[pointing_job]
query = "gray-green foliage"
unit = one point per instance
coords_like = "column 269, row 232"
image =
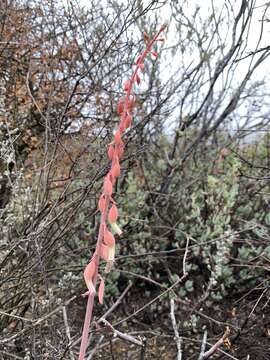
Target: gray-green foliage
column 207, row 203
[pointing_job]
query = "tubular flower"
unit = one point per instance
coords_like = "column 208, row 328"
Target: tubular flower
column 117, row 138
column 113, row 214
column 115, row 171
column 89, row 274
column 112, row 218
column 107, row 186
column 110, row 261
column 120, row 106
column 110, row 151
column 109, row 239
column 103, row 251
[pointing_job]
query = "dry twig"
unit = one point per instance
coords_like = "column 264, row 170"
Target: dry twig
column 215, row 347
column 67, row 331
column 122, row 335
column 177, row 337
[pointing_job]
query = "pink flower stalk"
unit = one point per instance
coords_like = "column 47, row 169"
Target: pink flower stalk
column 105, row 247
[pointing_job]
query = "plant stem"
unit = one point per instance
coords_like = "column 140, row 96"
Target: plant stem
column 87, row 322
column 90, row 301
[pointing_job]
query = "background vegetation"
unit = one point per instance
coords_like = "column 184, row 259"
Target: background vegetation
column 193, row 197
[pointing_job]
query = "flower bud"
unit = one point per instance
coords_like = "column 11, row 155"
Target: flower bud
column 101, row 203
column 120, row 106
column 117, row 138
column 110, row 151
column 127, row 86
column 107, row 186
column 113, row 214
column 116, row 170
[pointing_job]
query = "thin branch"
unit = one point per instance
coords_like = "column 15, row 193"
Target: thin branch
column 215, row 347
column 203, row 345
column 177, row 337
column 122, row 335
column 116, row 304
column 67, row 330
column 95, row 348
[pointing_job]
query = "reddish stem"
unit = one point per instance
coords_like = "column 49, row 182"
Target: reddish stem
column 90, row 301
column 86, row 325
column 142, row 57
